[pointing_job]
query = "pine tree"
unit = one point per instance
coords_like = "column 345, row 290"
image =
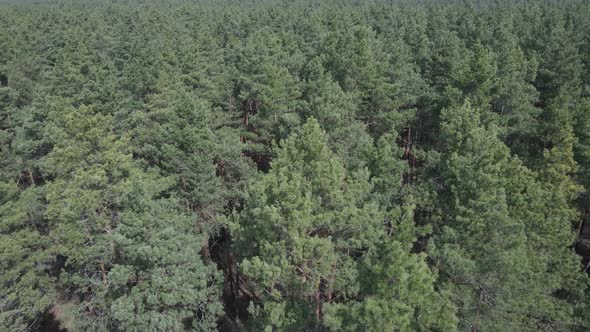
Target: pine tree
column 304, row 226
column 397, row 288
column 27, row 281
column 26, row 258
column 336, row 111
column 161, row 283
column 479, row 247
column 100, row 205
column 267, row 88
column 513, row 93
column 173, row 134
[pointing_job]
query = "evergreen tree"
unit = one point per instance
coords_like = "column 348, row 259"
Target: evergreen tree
column 99, row 206
column 27, row 288
column 161, row 282
column 267, row 88
column 513, row 93
column 479, row 248
column 336, row 111
column 304, row 227
column 26, row 258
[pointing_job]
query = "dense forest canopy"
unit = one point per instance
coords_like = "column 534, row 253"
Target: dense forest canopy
column 295, row 166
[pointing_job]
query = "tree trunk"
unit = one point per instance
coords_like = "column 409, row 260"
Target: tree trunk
column 318, row 308
column 31, row 178
column 581, row 224
column 103, row 272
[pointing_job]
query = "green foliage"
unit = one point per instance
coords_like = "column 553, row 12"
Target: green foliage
column 299, row 230
column 397, row 290
column 345, row 166
column 479, row 243
column 498, row 277
column 162, row 283
column 105, row 218
column 25, row 257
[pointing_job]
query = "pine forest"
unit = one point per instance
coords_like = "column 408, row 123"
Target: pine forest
column 306, row 165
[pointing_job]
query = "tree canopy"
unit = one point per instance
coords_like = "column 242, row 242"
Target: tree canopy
column 295, row 166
